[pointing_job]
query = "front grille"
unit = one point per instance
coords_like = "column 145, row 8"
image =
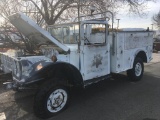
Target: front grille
column 6, row 63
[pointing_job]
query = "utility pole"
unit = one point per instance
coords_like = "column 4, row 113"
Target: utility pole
column 79, row 42
column 78, row 10
column 152, row 26
column 118, row 23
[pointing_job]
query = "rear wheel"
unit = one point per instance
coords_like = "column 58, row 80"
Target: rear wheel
column 136, row 73
column 50, row 100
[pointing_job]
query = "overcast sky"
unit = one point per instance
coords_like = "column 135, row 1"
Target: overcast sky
column 132, row 21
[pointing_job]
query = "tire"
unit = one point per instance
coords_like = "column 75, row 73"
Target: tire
column 136, row 73
column 17, row 90
column 50, row 100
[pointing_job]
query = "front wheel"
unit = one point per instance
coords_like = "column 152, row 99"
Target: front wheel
column 136, row 73
column 50, row 100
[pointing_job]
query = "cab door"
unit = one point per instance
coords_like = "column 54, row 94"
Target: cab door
column 95, row 51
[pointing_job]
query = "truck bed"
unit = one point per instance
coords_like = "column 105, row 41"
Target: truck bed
column 126, row 45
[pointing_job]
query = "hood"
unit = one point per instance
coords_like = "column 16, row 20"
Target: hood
column 34, row 32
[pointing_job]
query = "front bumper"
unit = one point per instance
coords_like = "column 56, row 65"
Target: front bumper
column 21, row 84
column 17, row 85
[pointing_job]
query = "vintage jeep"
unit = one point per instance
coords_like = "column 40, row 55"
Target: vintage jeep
column 74, row 55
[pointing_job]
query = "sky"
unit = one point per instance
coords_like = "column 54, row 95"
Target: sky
column 132, row 21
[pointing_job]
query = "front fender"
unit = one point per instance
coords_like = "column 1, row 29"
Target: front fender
column 63, row 71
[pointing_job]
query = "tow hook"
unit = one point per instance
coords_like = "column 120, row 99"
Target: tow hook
column 8, row 85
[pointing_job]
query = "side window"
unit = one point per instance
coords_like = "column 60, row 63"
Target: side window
column 57, row 33
column 95, row 33
column 66, row 34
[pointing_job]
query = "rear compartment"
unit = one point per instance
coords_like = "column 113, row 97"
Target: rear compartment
column 127, row 45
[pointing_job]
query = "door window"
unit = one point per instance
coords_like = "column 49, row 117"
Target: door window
column 94, row 34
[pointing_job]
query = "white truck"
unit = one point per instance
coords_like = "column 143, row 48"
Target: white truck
column 74, row 55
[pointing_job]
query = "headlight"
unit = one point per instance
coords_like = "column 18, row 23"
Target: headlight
column 26, row 67
column 39, row 66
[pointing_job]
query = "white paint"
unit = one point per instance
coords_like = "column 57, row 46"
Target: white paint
column 2, row 116
column 95, row 61
column 95, row 57
column 128, row 44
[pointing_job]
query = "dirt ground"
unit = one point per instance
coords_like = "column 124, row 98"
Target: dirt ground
column 12, row 105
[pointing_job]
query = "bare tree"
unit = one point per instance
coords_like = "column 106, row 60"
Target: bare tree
column 156, row 20
column 12, row 38
column 57, row 11
column 53, row 11
column 8, row 7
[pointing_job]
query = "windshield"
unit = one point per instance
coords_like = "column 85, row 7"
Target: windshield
column 65, row 34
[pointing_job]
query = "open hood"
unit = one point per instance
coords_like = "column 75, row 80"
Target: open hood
column 34, row 32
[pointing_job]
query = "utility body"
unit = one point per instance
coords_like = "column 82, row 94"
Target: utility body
column 73, row 55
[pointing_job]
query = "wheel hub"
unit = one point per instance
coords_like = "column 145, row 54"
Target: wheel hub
column 57, row 100
column 138, row 69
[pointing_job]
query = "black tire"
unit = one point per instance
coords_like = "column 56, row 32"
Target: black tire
column 132, row 74
column 43, row 103
column 17, row 90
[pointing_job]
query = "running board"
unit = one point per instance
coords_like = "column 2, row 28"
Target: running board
column 95, row 80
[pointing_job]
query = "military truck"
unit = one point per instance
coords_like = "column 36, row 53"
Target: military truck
column 73, row 55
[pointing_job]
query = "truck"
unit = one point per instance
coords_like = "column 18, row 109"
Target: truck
column 73, row 55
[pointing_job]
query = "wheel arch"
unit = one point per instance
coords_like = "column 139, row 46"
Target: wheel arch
column 67, row 73
column 141, row 54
